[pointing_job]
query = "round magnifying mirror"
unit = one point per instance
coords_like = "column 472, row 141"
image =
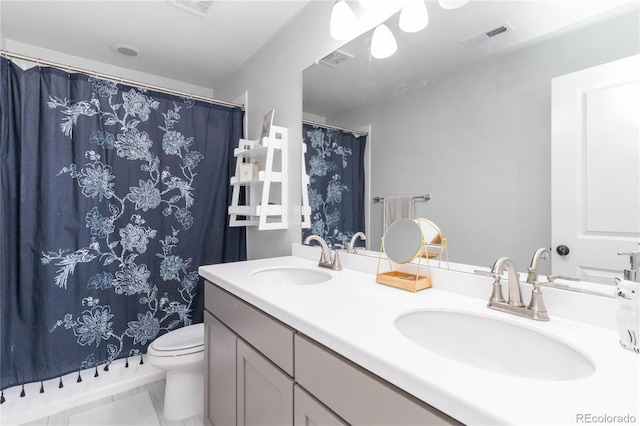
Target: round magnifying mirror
column 403, row 241
column 406, row 239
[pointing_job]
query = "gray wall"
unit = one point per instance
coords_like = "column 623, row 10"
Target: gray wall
column 478, row 139
column 273, row 79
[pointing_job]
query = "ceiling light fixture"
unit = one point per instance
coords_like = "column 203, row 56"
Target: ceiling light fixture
column 343, row 23
column 414, row 16
column 452, row 4
column 370, row 4
column 383, row 43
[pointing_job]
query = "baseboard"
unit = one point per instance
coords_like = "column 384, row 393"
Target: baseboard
column 34, row 405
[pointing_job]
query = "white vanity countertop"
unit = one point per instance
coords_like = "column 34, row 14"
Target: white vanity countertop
column 354, row 316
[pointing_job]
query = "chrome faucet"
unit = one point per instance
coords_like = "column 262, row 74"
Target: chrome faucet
column 351, row 248
column 515, row 293
column 541, row 253
column 325, row 255
column 514, row 305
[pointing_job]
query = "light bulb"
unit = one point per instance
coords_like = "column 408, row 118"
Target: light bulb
column 452, row 4
column 370, row 4
column 383, row 43
column 414, row 16
column 343, row 21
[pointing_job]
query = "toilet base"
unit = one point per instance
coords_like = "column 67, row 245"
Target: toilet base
column 183, row 395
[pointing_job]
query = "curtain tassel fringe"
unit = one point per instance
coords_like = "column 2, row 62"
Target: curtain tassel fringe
column 96, row 375
column 141, row 360
column 60, row 385
column 126, row 363
column 22, row 394
column 79, row 377
column 106, row 367
column 41, row 387
column 2, row 400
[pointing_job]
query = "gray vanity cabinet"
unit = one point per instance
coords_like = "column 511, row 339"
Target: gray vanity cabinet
column 355, row 394
column 242, row 387
column 250, row 380
column 265, row 393
column 309, row 411
column 220, row 373
column 249, row 364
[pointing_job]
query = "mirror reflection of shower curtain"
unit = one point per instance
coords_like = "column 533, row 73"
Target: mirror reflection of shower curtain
column 335, row 164
column 112, row 196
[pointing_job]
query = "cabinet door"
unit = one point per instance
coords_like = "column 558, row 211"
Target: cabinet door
column 355, row 394
column 309, row 411
column 269, row 336
column 220, row 373
column 264, row 393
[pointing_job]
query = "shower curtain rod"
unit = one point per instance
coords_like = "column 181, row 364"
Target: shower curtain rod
column 121, row 80
column 327, row 126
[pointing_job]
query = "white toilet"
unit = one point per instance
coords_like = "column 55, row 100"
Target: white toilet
column 181, row 354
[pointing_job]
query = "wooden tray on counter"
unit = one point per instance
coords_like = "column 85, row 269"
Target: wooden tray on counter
column 404, row 280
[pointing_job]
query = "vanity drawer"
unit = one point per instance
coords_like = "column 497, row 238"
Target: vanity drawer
column 354, row 393
column 268, row 335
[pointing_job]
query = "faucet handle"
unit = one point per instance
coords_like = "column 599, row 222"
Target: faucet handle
column 536, row 304
column 496, row 294
column 486, row 274
column 323, row 258
column 336, row 265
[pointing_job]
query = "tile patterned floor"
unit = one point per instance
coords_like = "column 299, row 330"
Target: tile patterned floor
column 156, row 391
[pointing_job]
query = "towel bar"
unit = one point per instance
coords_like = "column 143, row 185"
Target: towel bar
column 426, row 197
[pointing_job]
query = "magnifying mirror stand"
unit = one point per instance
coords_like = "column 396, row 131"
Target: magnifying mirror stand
column 405, row 280
column 442, row 248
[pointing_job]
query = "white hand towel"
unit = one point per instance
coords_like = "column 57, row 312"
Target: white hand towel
column 397, row 207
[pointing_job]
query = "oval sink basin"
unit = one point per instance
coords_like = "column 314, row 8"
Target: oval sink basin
column 290, row 275
column 494, row 345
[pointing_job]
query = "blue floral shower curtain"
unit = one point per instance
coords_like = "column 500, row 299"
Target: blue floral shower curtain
column 111, row 198
column 335, row 164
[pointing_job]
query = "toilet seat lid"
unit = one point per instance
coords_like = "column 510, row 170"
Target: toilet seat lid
column 180, row 339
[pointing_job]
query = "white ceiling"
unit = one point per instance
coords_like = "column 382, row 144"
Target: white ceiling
column 173, row 43
column 204, row 51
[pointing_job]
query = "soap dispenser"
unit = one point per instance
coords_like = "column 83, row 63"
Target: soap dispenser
column 628, row 293
column 633, row 273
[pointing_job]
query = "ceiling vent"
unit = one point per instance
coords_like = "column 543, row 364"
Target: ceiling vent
column 198, row 7
column 486, row 35
column 334, row 59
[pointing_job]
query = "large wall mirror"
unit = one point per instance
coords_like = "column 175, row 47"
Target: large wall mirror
column 467, row 118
